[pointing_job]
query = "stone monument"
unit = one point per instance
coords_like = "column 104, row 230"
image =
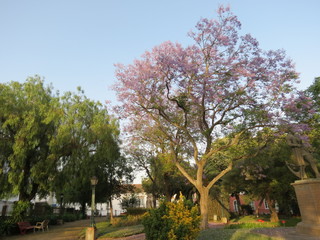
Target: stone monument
column 307, row 189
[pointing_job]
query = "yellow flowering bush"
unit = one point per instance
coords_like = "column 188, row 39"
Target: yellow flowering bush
column 172, row 220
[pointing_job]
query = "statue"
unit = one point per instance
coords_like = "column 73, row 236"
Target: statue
column 301, row 158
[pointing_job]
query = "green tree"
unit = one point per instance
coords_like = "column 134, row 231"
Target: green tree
column 314, row 93
column 162, row 179
column 86, row 145
column 265, row 176
column 28, row 118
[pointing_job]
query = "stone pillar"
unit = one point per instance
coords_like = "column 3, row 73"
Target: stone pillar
column 90, row 233
column 308, row 196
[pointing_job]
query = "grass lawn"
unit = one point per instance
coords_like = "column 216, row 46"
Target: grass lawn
column 218, row 234
column 106, row 230
column 239, row 229
column 261, row 222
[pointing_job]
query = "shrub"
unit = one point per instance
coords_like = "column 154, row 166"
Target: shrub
column 154, row 226
column 130, row 201
column 174, row 221
column 247, row 209
column 136, row 211
column 20, row 209
column 129, row 220
column 8, row 226
column 69, row 217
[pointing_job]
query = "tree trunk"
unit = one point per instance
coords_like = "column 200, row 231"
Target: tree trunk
column 204, row 200
column 83, row 210
column 240, row 210
column 154, row 200
column 111, row 210
column 274, row 215
column 259, row 206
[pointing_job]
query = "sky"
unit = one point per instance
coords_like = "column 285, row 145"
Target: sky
column 74, row 43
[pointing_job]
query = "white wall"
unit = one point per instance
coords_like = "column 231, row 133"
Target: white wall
column 9, row 203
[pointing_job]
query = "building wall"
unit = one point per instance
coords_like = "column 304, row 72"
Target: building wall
column 103, row 209
column 6, row 206
column 257, row 209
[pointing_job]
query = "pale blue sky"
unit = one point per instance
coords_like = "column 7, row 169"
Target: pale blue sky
column 75, row 42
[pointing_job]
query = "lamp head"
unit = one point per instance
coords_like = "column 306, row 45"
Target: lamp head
column 94, row 181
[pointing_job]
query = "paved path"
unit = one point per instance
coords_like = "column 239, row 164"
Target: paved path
column 286, row 233
column 67, row 231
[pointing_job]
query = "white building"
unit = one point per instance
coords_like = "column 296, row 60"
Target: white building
column 103, row 209
column 6, row 205
column 145, row 201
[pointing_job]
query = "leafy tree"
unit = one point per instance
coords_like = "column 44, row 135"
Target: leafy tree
column 265, row 176
column 222, row 86
column 28, row 119
column 314, row 93
column 131, row 201
column 86, row 145
column 161, row 179
column 56, row 144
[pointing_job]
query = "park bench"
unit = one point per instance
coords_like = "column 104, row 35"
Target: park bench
column 44, row 225
column 24, row 227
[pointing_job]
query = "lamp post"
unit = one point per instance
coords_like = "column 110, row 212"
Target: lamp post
column 61, row 201
column 94, row 181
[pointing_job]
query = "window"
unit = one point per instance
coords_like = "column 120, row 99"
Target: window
column 253, row 207
column 266, row 206
column 235, row 206
column 4, row 210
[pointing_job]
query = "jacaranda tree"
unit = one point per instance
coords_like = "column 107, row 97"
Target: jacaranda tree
column 220, row 87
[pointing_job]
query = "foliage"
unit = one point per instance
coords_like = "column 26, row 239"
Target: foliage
column 69, row 217
column 20, row 209
column 53, row 219
column 52, row 143
column 28, row 116
column 131, row 201
column 136, row 211
column 247, row 208
column 128, row 220
column 314, row 134
column 154, row 225
column 172, row 221
column 162, row 178
column 183, row 224
column 265, row 175
column 8, row 226
column 87, row 144
column 221, row 87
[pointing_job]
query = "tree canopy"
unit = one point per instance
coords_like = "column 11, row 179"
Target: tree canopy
column 29, row 114
column 52, row 143
column 86, row 145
